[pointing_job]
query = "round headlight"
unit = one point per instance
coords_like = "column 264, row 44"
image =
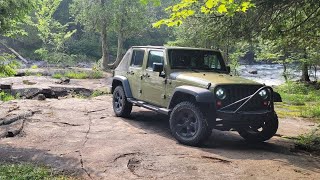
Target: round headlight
column 263, row 94
column 221, row 93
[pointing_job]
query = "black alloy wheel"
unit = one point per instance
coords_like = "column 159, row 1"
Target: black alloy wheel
column 121, row 106
column 188, row 124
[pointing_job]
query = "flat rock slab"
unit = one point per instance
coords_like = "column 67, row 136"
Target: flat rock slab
column 49, row 87
column 82, row 137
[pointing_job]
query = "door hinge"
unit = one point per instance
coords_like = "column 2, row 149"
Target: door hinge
column 140, row 90
column 164, row 96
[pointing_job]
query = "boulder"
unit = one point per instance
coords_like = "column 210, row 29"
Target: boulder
column 63, row 80
column 253, row 71
column 40, row 97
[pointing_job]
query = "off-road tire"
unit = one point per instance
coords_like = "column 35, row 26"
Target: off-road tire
column 203, row 131
column 121, row 107
column 269, row 130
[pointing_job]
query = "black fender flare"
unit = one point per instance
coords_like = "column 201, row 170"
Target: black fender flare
column 276, row 97
column 201, row 95
column 125, row 84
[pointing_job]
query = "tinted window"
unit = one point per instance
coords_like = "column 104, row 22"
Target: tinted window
column 196, row 59
column 137, row 58
column 154, row 57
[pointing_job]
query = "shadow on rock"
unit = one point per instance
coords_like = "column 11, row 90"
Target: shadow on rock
column 229, row 144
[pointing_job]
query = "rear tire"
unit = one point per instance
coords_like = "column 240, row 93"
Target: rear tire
column 121, row 107
column 269, row 129
column 188, row 124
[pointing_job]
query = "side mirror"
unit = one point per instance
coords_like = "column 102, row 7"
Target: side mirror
column 228, row 69
column 157, row 67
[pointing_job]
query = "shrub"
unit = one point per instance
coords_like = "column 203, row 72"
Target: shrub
column 57, row 75
column 5, row 96
column 34, row 67
column 295, row 88
column 8, row 65
column 309, row 141
column 79, row 74
column 97, row 93
column 311, row 111
column 76, row 75
column 96, row 74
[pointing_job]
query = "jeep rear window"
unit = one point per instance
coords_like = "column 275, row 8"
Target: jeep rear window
column 137, row 58
column 196, row 59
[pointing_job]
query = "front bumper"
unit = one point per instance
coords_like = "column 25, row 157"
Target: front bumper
column 241, row 117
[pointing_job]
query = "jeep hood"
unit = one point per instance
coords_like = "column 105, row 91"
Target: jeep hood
column 204, row 78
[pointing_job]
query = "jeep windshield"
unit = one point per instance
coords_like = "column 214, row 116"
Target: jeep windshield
column 196, row 60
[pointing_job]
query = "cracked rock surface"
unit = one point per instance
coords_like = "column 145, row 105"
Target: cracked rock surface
column 82, row 137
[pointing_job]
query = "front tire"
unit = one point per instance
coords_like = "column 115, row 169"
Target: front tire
column 264, row 133
column 121, row 107
column 188, row 124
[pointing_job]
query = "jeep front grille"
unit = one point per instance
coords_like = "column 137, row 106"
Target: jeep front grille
column 237, row 92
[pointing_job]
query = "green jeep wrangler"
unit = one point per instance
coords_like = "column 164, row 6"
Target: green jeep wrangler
column 193, row 86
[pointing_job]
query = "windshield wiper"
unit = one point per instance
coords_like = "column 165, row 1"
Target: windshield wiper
column 194, row 70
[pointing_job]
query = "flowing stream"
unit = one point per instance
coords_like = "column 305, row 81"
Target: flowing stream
column 271, row 74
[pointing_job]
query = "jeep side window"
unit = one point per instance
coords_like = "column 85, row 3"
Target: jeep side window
column 137, row 58
column 154, row 57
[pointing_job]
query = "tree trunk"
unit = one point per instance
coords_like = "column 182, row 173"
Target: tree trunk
column 120, row 49
column 105, row 54
column 305, row 74
column 121, row 39
column 305, row 70
column 315, row 73
column 285, row 71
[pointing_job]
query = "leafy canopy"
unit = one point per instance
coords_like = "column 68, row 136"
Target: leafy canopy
column 13, row 12
column 186, row 8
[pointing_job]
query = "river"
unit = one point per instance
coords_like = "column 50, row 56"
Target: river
column 270, row 74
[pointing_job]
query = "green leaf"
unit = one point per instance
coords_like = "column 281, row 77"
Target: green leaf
column 222, row 9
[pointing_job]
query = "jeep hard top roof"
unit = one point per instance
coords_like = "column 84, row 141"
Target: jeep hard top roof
column 175, row 47
column 124, row 64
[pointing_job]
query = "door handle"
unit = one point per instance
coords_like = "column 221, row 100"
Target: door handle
column 130, row 72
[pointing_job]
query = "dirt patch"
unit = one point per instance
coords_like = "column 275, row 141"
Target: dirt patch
column 84, row 138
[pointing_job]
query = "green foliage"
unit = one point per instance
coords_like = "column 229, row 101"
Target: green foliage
column 34, row 67
column 26, row 171
column 61, row 57
column 6, row 97
column 87, row 44
column 297, row 88
column 299, row 99
column 312, row 111
column 97, row 93
column 8, row 65
column 154, row 2
column 95, row 74
column 13, row 12
column 187, row 8
column 57, row 75
column 310, row 141
column 52, row 33
column 239, row 50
